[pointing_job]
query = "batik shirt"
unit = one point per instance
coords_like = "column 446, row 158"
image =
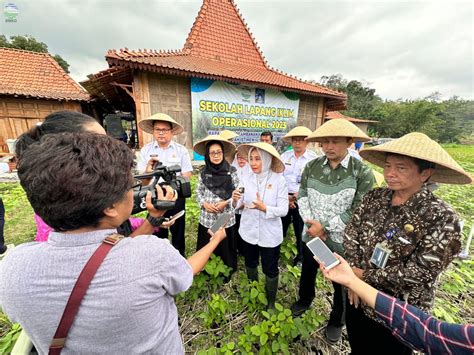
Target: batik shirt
column 423, row 235
column 203, row 194
column 330, row 195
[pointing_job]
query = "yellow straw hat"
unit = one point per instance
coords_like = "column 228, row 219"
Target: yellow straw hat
column 420, row 146
column 338, row 128
column 299, row 131
column 277, row 164
column 146, row 124
column 228, row 147
column 226, row 134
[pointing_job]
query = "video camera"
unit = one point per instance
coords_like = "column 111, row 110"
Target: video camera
column 168, row 174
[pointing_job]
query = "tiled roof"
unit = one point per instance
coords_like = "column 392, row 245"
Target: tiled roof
column 37, row 75
column 220, row 47
column 331, row 115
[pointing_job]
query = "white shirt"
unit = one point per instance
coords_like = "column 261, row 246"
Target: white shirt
column 174, row 154
column 263, row 228
column 294, row 168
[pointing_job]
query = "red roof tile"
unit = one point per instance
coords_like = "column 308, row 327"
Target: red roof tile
column 331, row 115
column 220, row 47
column 36, row 75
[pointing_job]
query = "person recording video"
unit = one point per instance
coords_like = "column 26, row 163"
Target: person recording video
column 73, row 122
column 81, row 184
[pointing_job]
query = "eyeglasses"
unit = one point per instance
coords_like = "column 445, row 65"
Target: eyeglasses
column 217, row 153
column 162, row 130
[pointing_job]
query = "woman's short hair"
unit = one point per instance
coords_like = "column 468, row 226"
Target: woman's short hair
column 56, row 122
column 71, row 178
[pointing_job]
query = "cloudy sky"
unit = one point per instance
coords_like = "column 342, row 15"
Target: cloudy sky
column 403, row 49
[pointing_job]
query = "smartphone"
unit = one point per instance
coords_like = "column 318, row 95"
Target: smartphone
column 241, row 189
column 221, row 222
column 176, row 216
column 322, row 253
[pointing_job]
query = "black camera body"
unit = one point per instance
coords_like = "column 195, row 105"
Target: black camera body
column 168, row 174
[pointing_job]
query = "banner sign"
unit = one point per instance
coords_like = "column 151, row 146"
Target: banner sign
column 247, row 111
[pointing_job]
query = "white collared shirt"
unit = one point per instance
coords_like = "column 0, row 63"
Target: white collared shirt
column 263, row 228
column 174, row 154
column 294, row 168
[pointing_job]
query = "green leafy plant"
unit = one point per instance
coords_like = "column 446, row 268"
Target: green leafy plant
column 215, row 315
column 253, row 295
column 7, row 342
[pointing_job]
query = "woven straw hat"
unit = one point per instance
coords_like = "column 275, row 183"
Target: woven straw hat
column 277, row 164
column 146, row 124
column 298, row 131
column 226, row 134
column 338, row 128
column 229, row 148
column 419, row 145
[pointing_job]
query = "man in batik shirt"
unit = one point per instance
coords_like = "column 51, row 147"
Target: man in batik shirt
column 402, row 237
column 331, row 187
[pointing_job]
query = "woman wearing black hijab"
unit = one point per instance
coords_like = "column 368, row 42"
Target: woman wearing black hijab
column 214, row 189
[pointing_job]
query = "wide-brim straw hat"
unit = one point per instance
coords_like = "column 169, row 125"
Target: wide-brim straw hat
column 299, row 131
column 228, row 147
column 338, row 128
column 146, row 124
column 226, row 134
column 277, row 164
column 420, row 146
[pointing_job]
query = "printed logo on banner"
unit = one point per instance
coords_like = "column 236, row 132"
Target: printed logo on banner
column 10, row 11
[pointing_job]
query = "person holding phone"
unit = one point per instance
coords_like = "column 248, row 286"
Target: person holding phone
column 331, row 187
column 415, row 328
column 265, row 201
column 214, row 189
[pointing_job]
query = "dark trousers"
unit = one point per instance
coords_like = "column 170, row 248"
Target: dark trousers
column 177, row 229
column 2, row 223
column 225, row 250
column 366, row 336
column 269, row 258
column 307, row 293
column 238, row 239
column 294, row 217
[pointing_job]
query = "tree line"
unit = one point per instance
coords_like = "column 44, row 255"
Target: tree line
column 447, row 121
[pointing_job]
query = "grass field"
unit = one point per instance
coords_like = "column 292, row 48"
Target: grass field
column 218, row 318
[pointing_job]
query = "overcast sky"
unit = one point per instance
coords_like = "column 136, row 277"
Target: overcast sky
column 403, row 49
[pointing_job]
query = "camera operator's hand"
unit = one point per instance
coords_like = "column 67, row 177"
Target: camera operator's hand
column 219, row 235
column 169, row 195
column 149, row 165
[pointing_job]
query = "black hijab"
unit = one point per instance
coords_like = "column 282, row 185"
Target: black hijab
column 217, row 177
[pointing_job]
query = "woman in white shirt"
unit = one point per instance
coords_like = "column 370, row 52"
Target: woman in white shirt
column 265, row 201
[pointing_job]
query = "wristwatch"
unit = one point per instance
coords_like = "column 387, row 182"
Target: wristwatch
column 155, row 221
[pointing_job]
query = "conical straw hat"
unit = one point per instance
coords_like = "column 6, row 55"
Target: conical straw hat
column 226, row 134
column 338, row 128
column 420, row 146
column 277, row 164
column 299, row 131
column 229, row 148
column 146, row 124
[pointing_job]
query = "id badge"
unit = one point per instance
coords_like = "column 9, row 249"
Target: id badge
column 298, row 179
column 380, row 256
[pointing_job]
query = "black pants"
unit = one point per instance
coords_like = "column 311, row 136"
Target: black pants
column 2, row 223
column 177, row 229
column 238, row 239
column 269, row 258
column 294, row 217
column 366, row 336
column 307, row 292
column 225, row 250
